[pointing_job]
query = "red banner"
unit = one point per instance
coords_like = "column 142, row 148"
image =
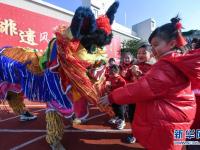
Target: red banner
column 20, row 27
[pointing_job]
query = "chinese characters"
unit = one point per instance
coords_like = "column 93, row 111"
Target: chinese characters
column 28, row 36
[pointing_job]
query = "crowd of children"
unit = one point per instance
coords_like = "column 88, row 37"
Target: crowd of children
column 128, row 71
column 164, row 95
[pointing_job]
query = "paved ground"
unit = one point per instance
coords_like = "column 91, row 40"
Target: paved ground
column 95, row 134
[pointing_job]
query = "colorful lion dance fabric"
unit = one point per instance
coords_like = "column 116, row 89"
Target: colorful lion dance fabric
column 71, row 69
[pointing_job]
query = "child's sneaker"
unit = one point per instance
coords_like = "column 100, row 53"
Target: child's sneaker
column 27, row 116
column 113, row 120
column 131, row 139
column 120, row 124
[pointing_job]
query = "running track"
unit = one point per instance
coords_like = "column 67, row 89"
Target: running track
column 95, row 134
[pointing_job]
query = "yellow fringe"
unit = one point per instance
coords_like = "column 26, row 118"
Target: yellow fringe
column 55, row 127
column 15, row 101
column 25, row 55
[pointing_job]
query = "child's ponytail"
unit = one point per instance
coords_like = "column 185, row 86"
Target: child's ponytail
column 180, row 40
column 170, row 31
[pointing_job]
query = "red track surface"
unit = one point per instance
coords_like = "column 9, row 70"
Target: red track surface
column 95, row 134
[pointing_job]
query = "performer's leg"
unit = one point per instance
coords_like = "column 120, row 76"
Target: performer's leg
column 15, row 101
column 81, row 110
column 55, row 130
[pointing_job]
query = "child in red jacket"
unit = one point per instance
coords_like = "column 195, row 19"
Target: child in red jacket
column 196, row 123
column 144, row 65
column 165, row 102
column 113, row 82
column 111, row 62
column 127, row 62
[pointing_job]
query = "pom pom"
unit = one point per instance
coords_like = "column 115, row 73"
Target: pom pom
column 180, row 40
column 178, row 26
column 104, row 23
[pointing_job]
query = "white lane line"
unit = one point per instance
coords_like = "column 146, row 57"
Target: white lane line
column 96, row 116
column 33, row 140
column 21, row 131
column 40, row 137
column 28, row 142
column 66, row 130
column 19, row 116
column 98, row 130
column 26, row 105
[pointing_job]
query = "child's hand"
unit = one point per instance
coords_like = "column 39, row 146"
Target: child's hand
column 135, row 69
column 123, row 73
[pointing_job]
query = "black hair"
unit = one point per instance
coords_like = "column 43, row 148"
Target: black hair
column 114, row 69
column 195, row 40
column 146, row 47
column 127, row 53
column 111, row 59
column 197, row 46
column 167, row 31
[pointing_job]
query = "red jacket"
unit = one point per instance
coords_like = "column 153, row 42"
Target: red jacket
column 116, row 82
column 107, row 73
column 144, row 67
column 195, row 83
column 164, row 101
column 126, row 72
column 196, row 90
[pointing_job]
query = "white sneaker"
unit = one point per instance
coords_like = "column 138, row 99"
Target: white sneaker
column 27, row 116
column 120, row 124
column 113, row 120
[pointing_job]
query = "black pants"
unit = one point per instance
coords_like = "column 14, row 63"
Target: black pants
column 193, row 147
column 119, row 111
column 131, row 111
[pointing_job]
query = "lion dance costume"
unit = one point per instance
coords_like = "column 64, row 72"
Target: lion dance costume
column 70, row 72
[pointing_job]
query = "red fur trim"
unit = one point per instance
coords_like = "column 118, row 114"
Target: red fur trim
column 104, row 24
column 180, row 40
column 178, row 26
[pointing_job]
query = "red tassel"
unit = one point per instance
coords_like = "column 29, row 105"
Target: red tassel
column 180, row 40
column 178, row 26
column 104, row 24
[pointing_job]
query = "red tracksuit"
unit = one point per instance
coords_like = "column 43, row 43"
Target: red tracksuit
column 144, row 67
column 126, row 73
column 116, row 82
